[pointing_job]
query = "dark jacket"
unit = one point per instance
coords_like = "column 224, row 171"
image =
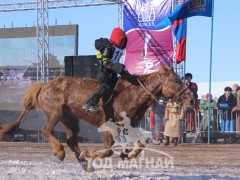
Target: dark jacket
column 108, row 71
column 226, row 105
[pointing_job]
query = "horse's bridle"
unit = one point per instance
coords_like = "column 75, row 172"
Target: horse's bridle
column 180, row 91
column 175, row 96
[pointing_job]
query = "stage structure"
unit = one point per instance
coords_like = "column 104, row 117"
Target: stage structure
column 42, row 7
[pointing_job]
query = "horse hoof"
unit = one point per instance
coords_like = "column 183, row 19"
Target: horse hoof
column 60, row 156
column 87, row 166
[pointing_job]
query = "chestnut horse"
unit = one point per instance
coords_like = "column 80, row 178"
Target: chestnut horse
column 62, row 98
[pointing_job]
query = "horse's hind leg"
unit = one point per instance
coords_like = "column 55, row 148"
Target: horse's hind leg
column 137, row 149
column 47, row 130
column 107, row 152
column 71, row 124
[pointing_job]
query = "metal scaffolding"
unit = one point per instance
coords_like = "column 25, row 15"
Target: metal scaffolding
column 42, row 41
column 42, row 7
column 54, row 4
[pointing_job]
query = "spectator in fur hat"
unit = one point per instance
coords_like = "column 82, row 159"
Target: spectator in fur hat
column 226, row 103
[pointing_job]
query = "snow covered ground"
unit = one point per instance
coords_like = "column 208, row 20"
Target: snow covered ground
column 28, row 161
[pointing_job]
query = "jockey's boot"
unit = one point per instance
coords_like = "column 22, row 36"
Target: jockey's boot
column 167, row 141
column 93, row 109
column 91, row 103
column 90, row 108
column 86, row 106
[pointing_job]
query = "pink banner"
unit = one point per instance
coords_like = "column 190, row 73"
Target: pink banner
column 149, row 47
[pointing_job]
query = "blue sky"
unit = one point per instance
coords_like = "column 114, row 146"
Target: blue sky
column 95, row 22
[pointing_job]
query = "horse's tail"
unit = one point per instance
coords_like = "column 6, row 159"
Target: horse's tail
column 6, row 130
column 30, row 101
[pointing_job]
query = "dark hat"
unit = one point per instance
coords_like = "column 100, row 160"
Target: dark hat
column 188, row 75
column 227, row 88
column 238, row 88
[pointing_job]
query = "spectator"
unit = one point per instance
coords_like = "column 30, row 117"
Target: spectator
column 158, row 110
column 213, row 120
column 225, row 103
column 190, row 114
column 236, row 109
column 173, row 117
column 152, row 124
column 234, row 87
column 205, row 103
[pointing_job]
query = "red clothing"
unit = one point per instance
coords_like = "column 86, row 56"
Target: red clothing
column 152, row 120
column 190, row 114
column 194, row 88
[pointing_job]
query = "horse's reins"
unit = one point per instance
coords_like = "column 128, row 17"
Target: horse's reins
column 181, row 92
column 131, row 84
column 175, row 95
column 146, row 89
column 162, row 80
column 113, row 92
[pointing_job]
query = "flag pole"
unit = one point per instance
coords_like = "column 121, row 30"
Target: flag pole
column 210, row 75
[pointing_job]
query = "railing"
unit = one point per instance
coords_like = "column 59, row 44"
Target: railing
column 218, row 115
column 198, row 121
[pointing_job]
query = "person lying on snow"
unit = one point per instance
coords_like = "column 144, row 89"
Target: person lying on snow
column 109, row 53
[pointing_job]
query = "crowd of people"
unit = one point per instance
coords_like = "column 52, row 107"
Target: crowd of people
column 167, row 121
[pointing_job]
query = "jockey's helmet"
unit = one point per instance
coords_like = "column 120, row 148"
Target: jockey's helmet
column 118, row 38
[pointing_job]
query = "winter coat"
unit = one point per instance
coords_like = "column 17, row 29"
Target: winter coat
column 173, row 115
column 190, row 114
column 230, row 102
column 204, row 106
column 194, row 88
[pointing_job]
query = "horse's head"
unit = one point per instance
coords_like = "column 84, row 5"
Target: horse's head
column 174, row 88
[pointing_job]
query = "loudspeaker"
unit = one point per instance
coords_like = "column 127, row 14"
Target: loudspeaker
column 81, row 66
column 68, row 61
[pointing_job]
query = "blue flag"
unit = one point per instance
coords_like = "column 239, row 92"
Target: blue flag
column 188, row 9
